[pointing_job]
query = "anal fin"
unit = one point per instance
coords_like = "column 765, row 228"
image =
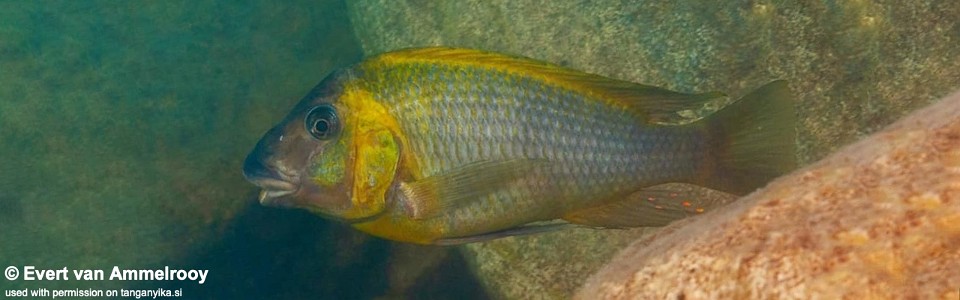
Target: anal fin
column 652, row 207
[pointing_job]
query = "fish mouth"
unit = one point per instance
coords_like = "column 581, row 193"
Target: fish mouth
column 274, row 191
column 276, row 186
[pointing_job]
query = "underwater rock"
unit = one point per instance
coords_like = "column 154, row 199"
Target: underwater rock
column 516, row 268
column 554, row 264
column 867, row 63
column 428, row 272
column 856, row 66
column 878, row 219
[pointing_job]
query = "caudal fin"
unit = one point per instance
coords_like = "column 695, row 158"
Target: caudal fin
column 752, row 140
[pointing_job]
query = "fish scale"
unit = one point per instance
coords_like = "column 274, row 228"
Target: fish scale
column 446, row 145
column 475, row 119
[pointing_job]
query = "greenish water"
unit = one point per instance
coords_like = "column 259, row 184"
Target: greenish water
column 124, row 124
column 123, row 129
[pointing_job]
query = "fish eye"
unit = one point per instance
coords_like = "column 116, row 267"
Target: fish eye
column 322, row 122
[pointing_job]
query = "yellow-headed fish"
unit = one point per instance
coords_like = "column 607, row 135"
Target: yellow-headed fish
column 446, row 146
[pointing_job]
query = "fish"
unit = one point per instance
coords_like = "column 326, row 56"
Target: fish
column 445, row 146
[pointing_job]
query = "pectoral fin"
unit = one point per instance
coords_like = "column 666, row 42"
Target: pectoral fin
column 430, row 196
column 651, row 207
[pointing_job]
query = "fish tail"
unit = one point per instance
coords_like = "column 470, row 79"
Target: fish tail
column 751, row 141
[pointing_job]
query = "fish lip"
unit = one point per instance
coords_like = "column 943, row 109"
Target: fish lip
column 275, row 197
column 276, row 184
column 275, row 191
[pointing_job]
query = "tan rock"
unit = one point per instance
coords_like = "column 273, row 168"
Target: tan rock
column 880, row 219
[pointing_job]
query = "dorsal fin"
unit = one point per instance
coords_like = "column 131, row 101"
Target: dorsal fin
column 656, row 104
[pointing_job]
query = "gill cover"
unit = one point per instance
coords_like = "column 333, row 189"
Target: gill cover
column 375, row 153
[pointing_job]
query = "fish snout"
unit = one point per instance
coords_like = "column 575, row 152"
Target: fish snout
column 274, row 184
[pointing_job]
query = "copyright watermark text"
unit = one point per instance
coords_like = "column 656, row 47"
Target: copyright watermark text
column 31, row 273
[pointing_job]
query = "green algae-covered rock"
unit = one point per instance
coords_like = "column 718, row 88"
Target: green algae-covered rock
column 855, row 66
